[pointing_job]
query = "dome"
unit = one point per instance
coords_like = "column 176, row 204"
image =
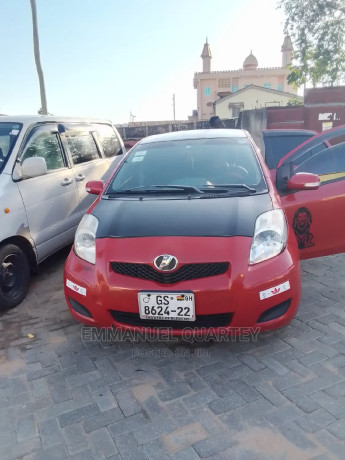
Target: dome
column 250, row 62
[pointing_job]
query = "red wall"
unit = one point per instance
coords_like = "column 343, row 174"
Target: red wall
column 285, row 117
column 323, row 108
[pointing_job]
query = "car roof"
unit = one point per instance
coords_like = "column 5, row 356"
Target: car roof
column 195, row 134
column 30, row 119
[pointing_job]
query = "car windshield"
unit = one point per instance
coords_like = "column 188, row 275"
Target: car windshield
column 190, row 165
column 8, row 135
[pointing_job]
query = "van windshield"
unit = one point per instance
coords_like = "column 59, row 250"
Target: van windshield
column 9, row 133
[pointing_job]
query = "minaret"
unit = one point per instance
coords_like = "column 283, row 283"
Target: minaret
column 206, row 58
column 286, row 50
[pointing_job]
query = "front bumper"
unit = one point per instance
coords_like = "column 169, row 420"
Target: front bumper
column 229, row 302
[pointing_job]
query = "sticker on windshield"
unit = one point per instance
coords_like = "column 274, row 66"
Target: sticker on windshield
column 139, row 156
column 14, row 132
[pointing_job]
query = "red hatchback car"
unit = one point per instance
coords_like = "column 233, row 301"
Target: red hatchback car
column 190, row 232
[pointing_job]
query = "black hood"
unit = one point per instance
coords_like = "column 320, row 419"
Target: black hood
column 230, row 216
column 131, row 217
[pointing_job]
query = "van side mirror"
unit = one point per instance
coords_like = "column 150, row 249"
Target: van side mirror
column 94, row 187
column 34, row 167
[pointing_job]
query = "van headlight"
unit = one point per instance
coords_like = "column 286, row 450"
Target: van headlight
column 270, row 235
column 84, row 240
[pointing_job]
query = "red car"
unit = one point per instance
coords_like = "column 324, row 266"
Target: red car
column 191, row 233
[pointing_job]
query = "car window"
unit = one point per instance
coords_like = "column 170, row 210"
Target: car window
column 193, row 162
column 108, row 139
column 8, row 135
column 319, row 142
column 82, row 146
column 309, row 154
column 276, row 147
column 327, row 161
column 46, row 145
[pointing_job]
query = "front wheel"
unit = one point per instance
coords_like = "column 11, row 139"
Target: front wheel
column 14, row 276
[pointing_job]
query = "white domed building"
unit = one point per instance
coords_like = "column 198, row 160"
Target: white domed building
column 226, row 92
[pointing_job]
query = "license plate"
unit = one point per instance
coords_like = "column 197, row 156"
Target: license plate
column 169, row 306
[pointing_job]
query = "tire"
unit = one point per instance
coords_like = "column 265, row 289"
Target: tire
column 14, row 276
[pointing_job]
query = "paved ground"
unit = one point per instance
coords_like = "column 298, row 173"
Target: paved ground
column 282, row 397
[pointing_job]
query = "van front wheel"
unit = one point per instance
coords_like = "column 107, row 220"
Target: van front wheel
column 14, row 276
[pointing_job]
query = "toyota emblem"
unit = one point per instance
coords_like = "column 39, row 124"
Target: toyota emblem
column 165, row 263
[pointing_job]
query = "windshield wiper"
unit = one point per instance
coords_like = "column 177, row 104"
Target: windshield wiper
column 227, row 187
column 157, row 188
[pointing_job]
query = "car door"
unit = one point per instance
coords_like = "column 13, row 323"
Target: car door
column 317, row 216
column 86, row 158
column 111, row 145
column 51, row 200
column 313, row 145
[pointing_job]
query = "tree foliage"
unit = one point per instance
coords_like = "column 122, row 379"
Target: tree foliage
column 295, row 101
column 317, row 31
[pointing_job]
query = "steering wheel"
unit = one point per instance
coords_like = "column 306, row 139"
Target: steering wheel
column 239, row 173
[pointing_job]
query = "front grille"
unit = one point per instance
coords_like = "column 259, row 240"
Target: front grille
column 184, row 273
column 206, row 321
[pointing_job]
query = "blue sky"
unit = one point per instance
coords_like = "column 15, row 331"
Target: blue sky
column 107, row 58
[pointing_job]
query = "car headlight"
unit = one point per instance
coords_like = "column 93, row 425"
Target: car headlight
column 269, row 238
column 84, row 240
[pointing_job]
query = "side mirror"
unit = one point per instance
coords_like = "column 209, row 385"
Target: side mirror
column 61, row 128
column 34, row 167
column 95, row 187
column 304, row 181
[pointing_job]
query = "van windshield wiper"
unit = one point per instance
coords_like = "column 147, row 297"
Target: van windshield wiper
column 157, row 188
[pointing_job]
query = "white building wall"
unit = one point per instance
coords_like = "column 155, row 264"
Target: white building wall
column 250, row 99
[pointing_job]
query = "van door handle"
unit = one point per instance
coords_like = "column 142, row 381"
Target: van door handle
column 67, row 181
column 80, row 177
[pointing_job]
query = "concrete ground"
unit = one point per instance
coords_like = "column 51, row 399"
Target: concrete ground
column 280, row 397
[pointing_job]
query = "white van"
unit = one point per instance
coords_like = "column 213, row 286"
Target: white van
column 45, row 162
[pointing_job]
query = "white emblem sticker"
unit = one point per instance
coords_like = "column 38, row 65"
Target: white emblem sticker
column 138, row 156
column 14, row 132
column 275, row 290
column 76, row 288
